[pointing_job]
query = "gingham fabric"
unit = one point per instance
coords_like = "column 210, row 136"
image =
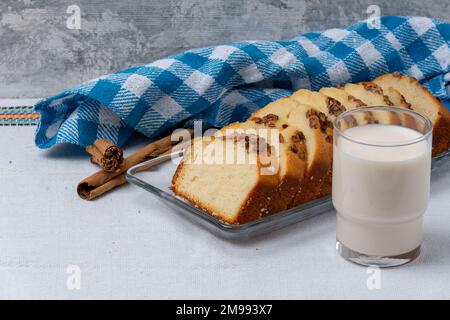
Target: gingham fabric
column 228, row 82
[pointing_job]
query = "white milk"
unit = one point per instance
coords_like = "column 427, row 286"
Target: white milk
column 381, row 193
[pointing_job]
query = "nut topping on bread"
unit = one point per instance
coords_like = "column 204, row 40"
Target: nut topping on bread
column 314, row 122
column 335, row 107
column 298, row 147
column 372, row 87
column 293, row 148
column 387, row 101
column 268, row 120
column 252, row 143
column 298, row 137
column 270, row 117
column 358, row 102
column 319, row 120
column 405, row 103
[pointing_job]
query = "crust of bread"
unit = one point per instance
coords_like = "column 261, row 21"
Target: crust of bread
column 317, row 181
column 409, row 87
column 441, row 133
column 288, row 185
column 256, row 205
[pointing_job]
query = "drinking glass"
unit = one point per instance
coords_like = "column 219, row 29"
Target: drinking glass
column 381, row 184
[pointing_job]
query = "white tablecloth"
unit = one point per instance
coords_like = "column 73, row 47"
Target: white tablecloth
column 129, row 245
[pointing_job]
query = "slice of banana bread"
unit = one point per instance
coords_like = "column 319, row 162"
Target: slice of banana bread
column 213, row 178
column 317, row 133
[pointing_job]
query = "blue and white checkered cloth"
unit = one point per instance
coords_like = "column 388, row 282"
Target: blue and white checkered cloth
column 228, row 82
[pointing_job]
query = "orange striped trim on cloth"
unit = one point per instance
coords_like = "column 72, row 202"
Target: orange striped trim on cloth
column 18, row 116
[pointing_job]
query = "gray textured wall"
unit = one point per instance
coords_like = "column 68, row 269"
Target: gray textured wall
column 41, row 56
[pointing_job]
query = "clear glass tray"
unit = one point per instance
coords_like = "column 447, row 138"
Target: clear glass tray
column 155, row 176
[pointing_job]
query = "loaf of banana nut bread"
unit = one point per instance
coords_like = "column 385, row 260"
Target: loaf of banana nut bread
column 281, row 156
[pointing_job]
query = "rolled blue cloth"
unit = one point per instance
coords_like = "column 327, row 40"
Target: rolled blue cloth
column 226, row 83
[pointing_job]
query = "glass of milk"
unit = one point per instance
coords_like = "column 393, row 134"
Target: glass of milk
column 381, row 184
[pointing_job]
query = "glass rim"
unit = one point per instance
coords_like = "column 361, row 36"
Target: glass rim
column 426, row 121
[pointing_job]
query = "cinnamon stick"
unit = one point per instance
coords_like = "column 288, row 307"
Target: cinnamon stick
column 106, row 154
column 101, row 182
column 90, row 194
